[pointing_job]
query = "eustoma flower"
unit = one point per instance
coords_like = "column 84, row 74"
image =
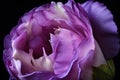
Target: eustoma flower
column 61, row 42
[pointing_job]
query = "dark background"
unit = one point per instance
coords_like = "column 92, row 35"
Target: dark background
column 12, row 10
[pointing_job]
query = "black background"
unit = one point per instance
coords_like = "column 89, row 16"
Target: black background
column 12, row 10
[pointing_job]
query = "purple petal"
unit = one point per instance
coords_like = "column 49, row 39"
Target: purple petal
column 8, row 60
column 104, row 28
column 21, row 41
column 86, row 53
column 86, row 66
column 36, row 44
column 78, row 18
column 74, row 67
column 7, row 42
column 76, row 75
column 85, row 46
column 37, row 76
column 27, row 16
column 64, row 48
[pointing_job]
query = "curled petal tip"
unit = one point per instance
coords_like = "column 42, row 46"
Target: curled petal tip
column 44, row 52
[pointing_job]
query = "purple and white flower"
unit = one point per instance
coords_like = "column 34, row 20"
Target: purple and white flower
column 61, row 42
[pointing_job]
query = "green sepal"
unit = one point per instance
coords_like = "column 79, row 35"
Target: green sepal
column 104, row 71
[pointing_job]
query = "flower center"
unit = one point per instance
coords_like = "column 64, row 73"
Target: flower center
column 37, row 56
